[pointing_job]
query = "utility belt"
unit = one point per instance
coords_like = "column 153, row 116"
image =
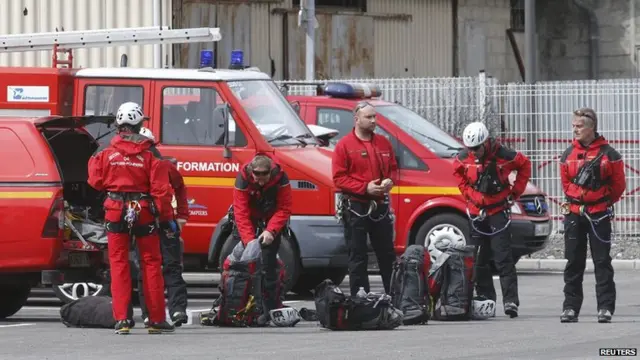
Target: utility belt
column 345, row 202
column 259, row 224
column 128, row 222
column 565, row 207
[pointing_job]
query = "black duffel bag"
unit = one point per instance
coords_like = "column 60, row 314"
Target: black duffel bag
column 336, row 311
column 88, row 312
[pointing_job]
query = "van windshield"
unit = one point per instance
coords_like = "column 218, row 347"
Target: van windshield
column 421, row 129
column 271, row 113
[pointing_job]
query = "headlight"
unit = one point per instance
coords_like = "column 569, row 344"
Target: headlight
column 516, row 209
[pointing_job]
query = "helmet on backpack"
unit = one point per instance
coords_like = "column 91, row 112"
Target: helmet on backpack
column 475, row 134
column 130, row 113
column 483, row 308
column 146, row 132
column 285, row 317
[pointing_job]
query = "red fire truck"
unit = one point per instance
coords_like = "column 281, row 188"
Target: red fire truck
column 428, row 205
column 210, row 120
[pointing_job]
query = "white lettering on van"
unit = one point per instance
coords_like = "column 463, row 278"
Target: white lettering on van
column 208, row 166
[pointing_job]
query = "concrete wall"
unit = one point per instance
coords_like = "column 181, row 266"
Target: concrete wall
column 563, row 39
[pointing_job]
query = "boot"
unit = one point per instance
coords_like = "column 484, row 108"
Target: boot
column 569, row 316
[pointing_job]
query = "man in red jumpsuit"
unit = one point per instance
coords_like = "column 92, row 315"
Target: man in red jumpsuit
column 364, row 168
column 261, row 209
column 138, row 200
column 482, row 171
column 593, row 180
column 171, row 246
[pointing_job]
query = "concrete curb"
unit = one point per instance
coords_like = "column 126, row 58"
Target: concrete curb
column 559, row 264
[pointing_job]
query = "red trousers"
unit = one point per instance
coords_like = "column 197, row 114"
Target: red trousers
column 151, row 272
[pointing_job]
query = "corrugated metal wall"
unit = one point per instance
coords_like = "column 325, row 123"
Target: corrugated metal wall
column 421, row 46
column 28, row 16
column 395, row 38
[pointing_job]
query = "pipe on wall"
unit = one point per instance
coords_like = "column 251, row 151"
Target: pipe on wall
column 157, row 21
column 594, row 39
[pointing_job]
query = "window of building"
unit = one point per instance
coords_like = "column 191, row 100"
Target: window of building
column 517, row 15
column 341, row 120
column 193, row 116
column 360, row 5
column 105, row 100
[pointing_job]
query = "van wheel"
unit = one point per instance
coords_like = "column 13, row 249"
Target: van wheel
column 309, row 279
column 288, row 253
column 13, row 298
column 69, row 292
column 442, row 230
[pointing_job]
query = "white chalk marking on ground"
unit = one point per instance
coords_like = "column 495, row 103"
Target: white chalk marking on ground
column 290, row 302
column 496, row 277
column 16, row 325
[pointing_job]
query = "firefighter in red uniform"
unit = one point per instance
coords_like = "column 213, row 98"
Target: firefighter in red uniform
column 261, row 209
column 482, row 170
column 593, row 180
column 364, row 169
column 138, row 199
column 171, row 246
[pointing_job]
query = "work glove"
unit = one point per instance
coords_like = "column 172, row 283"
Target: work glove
column 170, row 225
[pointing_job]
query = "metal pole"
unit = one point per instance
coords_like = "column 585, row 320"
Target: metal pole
column 157, row 49
column 311, row 35
column 530, row 41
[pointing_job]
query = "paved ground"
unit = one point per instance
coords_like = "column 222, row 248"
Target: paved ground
column 36, row 333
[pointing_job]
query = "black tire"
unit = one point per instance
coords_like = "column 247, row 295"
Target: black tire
column 13, row 298
column 288, row 253
column 309, row 279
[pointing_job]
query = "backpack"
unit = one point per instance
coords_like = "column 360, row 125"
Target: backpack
column 336, row 311
column 88, row 312
column 451, row 284
column 409, row 285
column 241, row 301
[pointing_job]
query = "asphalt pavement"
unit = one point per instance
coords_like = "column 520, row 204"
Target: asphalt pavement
column 36, row 333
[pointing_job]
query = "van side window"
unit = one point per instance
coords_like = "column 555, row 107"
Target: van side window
column 193, row 116
column 105, row 100
column 405, row 158
column 341, row 120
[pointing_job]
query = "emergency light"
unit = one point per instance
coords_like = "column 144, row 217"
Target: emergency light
column 352, row 91
column 206, row 58
column 237, row 59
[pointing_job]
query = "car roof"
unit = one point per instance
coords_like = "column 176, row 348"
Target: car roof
column 173, row 74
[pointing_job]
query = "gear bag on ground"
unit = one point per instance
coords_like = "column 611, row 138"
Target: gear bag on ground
column 451, row 283
column 410, row 286
column 88, row 312
column 241, row 301
column 336, row 311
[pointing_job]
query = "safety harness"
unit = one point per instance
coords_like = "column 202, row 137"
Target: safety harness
column 344, row 204
column 128, row 222
column 482, row 216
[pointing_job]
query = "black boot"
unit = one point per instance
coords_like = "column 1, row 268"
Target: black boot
column 569, row 316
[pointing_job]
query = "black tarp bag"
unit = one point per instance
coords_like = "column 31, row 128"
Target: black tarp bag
column 88, row 312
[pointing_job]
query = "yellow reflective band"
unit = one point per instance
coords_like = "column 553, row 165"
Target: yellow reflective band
column 26, row 194
column 209, row 181
column 425, row 190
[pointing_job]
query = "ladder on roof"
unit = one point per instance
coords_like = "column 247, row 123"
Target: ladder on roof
column 65, row 41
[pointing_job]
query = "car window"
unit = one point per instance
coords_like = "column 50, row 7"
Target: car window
column 341, row 120
column 405, row 158
column 193, row 116
column 105, row 100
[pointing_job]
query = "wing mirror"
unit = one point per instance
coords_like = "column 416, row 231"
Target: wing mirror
column 223, row 112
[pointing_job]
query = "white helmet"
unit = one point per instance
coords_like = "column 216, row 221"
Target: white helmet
column 147, row 133
column 285, row 317
column 483, row 308
column 130, row 113
column 475, row 134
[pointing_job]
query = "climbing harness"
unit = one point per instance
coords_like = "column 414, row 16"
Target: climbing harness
column 594, row 222
column 345, row 204
column 483, row 216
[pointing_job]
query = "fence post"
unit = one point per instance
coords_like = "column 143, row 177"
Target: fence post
column 482, row 96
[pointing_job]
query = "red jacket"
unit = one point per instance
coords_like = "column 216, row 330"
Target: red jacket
column 270, row 203
column 611, row 173
column 180, row 192
column 353, row 168
column 127, row 165
column 467, row 169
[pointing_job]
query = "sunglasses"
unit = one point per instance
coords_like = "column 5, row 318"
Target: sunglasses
column 584, row 113
column 261, row 173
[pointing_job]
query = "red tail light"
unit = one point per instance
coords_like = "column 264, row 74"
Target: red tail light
column 54, row 225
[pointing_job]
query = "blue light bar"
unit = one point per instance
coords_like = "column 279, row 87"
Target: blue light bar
column 352, row 91
column 206, row 58
column 237, row 59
